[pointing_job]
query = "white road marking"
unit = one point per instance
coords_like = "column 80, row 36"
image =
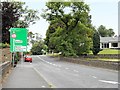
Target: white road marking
column 59, row 65
column 111, row 82
column 94, row 76
column 54, row 65
column 49, row 62
column 43, row 86
column 75, row 71
column 50, row 84
column 66, row 68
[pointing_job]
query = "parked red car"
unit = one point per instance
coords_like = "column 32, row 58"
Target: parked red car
column 28, row 59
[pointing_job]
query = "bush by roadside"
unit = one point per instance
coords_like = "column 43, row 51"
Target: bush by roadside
column 4, row 45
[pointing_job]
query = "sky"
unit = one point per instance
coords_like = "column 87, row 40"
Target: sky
column 104, row 12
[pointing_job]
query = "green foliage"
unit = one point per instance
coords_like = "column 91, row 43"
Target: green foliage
column 111, row 32
column 38, row 48
column 30, row 37
column 6, row 45
column 25, row 53
column 17, row 57
column 105, row 32
column 15, row 14
column 96, row 43
column 69, row 33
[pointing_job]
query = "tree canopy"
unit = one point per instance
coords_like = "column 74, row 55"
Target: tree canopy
column 104, row 32
column 39, row 48
column 16, row 14
column 70, row 31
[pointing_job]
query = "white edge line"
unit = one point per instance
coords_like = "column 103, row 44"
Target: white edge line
column 49, row 83
column 75, row 71
column 111, row 82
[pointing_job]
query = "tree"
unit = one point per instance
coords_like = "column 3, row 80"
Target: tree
column 38, row 36
column 71, row 32
column 38, row 48
column 15, row 14
column 30, row 37
column 111, row 32
column 96, row 43
column 103, row 32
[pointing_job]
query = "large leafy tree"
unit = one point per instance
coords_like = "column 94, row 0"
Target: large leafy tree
column 104, row 32
column 70, row 29
column 111, row 32
column 16, row 14
column 38, row 48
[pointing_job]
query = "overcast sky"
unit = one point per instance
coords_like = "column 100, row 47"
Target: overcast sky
column 104, row 12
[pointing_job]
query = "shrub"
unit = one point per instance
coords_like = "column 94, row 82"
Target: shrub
column 4, row 45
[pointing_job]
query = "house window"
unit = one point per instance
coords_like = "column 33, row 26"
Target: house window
column 114, row 44
column 105, row 45
column 102, row 45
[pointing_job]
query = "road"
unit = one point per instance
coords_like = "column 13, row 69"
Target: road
column 62, row 74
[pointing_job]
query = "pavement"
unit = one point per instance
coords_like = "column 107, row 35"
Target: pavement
column 24, row 76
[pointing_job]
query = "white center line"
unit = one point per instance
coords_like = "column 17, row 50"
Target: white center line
column 54, row 65
column 111, row 82
column 75, row 71
column 59, row 65
column 50, row 63
column 43, row 86
column 66, row 68
column 94, row 76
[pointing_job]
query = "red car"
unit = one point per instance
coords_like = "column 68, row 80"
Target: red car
column 28, row 59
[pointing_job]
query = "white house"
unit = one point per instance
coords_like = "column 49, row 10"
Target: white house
column 110, row 42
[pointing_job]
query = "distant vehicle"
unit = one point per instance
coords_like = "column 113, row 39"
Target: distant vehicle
column 28, row 58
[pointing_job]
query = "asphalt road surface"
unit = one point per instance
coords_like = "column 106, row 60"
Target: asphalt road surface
column 60, row 74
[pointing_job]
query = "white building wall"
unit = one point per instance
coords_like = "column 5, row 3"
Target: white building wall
column 118, row 44
column 101, row 45
column 110, row 45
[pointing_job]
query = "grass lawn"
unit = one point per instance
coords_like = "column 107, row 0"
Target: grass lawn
column 108, row 51
column 55, row 54
column 104, row 51
column 103, row 59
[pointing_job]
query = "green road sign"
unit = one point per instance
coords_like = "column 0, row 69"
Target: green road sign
column 18, row 39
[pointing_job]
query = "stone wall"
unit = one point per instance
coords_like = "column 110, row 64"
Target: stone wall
column 5, row 62
column 95, row 63
column 109, row 56
column 5, row 55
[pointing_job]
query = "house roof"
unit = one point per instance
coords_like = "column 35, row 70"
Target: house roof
column 109, row 39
